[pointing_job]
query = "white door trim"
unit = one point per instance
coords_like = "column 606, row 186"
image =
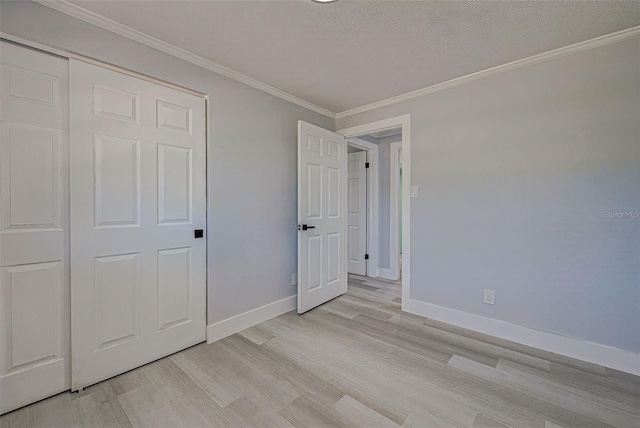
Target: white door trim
column 372, row 202
column 405, row 123
column 394, row 221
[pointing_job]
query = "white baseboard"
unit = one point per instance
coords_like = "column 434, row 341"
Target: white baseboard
column 233, row 325
column 595, row 353
column 387, row 274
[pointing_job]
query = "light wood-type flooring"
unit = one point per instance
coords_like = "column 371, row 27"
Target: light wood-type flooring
column 357, row 361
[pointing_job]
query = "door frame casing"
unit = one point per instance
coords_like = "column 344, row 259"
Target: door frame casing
column 372, row 202
column 394, row 221
column 404, row 122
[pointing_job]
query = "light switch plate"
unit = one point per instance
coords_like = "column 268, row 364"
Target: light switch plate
column 414, row 191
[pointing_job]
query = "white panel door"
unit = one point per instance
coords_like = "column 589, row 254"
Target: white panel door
column 137, row 195
column 322, row 208
column 357, row 213
column 34, row 271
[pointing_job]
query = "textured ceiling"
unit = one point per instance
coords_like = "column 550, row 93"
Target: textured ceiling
column 351, row 53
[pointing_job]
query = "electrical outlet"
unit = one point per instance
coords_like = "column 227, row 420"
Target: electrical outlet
column 489, row 297
column 294, row 279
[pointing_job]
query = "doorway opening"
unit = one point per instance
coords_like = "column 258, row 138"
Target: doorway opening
column 362, row 207
column 386, row 147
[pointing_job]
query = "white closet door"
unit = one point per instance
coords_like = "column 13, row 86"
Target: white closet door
column 137, row 196
column 357, row 213
column 34, row 275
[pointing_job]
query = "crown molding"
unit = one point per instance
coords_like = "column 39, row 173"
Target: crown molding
column 510, row 66
column 145, row 39
column 100, row 21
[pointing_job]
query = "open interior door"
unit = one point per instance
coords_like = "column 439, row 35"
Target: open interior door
column 322, row 219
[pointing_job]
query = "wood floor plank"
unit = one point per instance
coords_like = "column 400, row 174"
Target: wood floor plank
column 128, row 381
column 416, row 339
column 592, row 381
column 304, row 380
column 99, row 407
column 584, row 387
column 146, row 407
column 256, row 335
column 361, row 414
column 250, row 411
column 336, row 307
column 422, row 419
column 483, row 421
column 197, row 364
column 249, row 378
column 187, row 400
column 350, row 376
column 535, row 387
column 52, row 412
column 363, row 286
column 303, row 412
column 484, row 348
column 626, row 377
column 538, row 353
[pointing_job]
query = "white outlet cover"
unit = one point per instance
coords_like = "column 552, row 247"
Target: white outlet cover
column 414, row 191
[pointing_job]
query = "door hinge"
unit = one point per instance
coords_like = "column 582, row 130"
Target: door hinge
column 366, row 165
column 366, row 256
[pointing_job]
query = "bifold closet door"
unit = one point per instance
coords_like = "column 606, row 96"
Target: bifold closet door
column 34, row 274
column 137, row 152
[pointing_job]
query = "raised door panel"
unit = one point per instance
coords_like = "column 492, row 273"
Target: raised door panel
column 115, row 104
column 174, row 184
column 314, row 145
column 30, row 96
column 334, row 257
column 174, row 285
column 314, row 259
column 33, row 86
column 32, row 182
column 117, row 300
column 173, row 117
column 333, row 192
column 354, row 247
column 32, row 305
column 333, row 150
column 117, row 181
column 354, row 191
column 314, row 192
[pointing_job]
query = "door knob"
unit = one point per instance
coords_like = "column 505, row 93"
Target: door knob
column 305, row 227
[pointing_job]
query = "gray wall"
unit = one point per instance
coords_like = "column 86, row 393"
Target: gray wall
column 520, row 177
column 251, row 159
